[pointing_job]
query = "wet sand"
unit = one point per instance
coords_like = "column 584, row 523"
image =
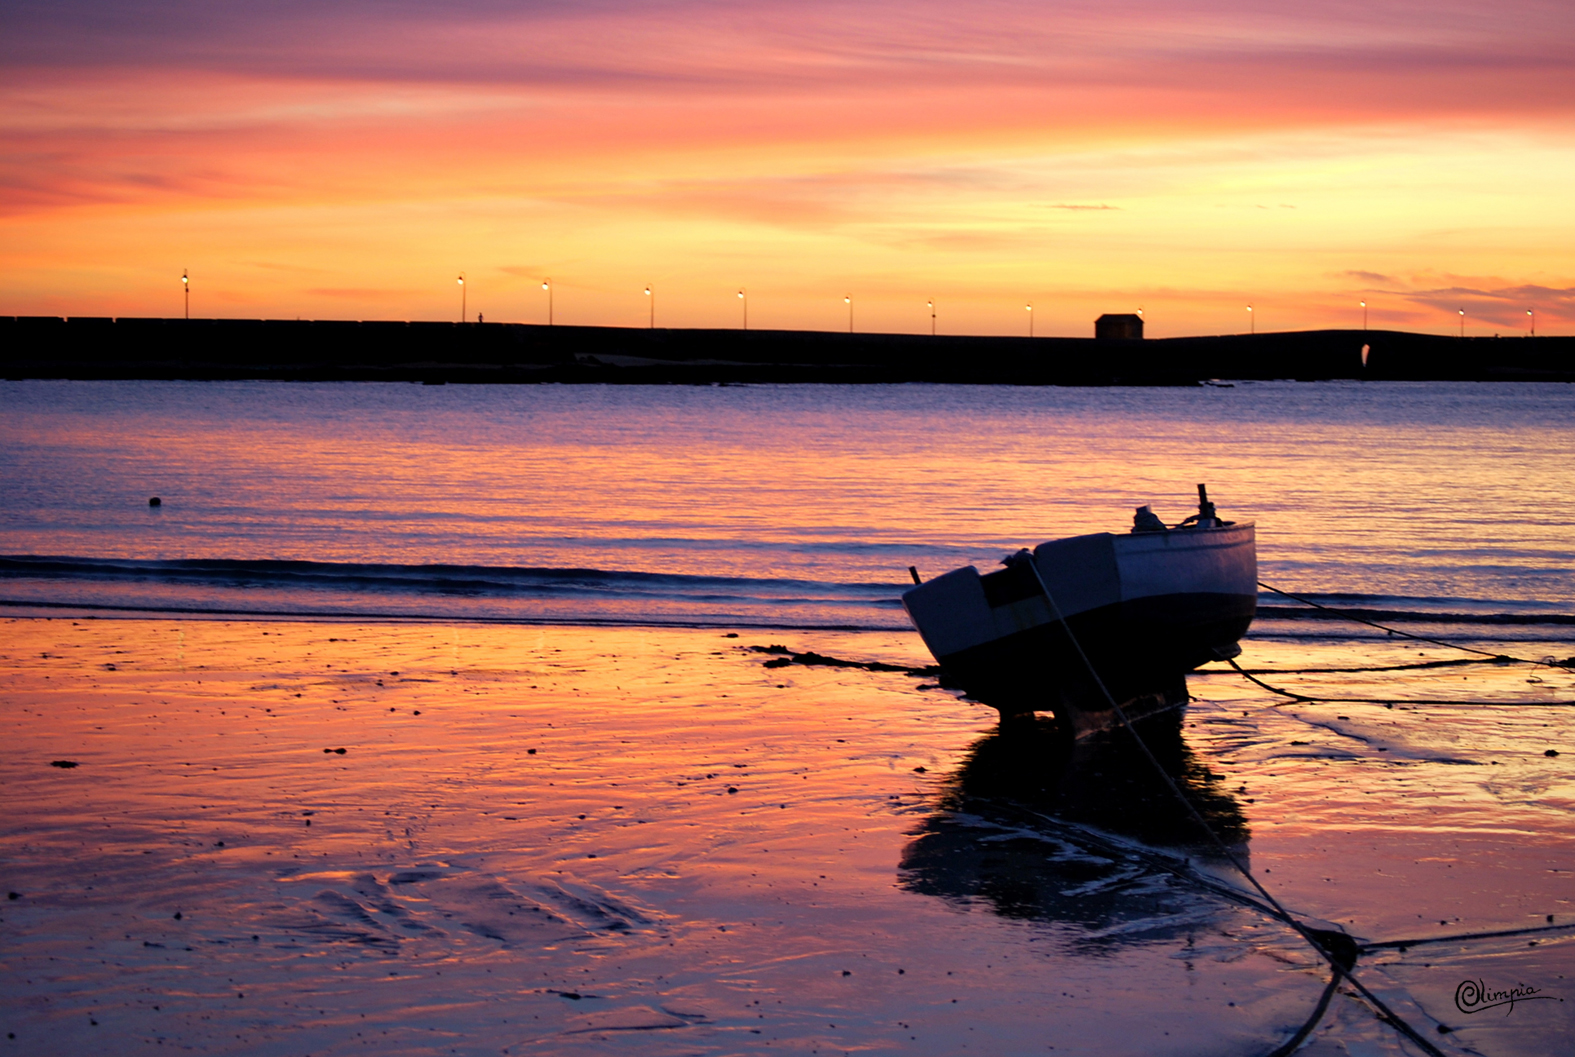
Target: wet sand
column 572, row 839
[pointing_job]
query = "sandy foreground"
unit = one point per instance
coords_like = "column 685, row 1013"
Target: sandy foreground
column 401, row 838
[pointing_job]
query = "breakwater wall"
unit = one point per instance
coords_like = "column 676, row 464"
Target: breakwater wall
column 349, row 350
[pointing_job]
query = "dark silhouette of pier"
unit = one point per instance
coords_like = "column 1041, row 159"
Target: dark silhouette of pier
column 348, row 350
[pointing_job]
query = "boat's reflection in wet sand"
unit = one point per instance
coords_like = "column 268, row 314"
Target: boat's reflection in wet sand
column 1035, row 827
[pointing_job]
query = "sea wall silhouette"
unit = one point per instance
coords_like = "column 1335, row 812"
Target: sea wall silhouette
column 377, row 350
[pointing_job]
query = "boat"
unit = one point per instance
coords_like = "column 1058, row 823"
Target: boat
column 1145, row 607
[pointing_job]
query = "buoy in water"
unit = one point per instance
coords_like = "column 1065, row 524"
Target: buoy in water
column 155, row 501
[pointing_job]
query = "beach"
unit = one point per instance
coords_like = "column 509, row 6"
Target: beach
column 566, row 839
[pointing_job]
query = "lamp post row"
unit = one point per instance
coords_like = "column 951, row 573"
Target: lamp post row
column 743, row 297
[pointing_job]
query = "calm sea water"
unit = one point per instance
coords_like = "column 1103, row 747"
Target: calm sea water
column 763, row 505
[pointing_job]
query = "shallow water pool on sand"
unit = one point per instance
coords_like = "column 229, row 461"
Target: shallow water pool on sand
column 583, row 839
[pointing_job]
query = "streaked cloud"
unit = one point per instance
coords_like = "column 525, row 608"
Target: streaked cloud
column 1095, row 152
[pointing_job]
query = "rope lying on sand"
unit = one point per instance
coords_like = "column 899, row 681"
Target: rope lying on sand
column 1339, row 949
column 1392, row 701
column 1338, row 952
column 1463, row 936
column 1419, row 665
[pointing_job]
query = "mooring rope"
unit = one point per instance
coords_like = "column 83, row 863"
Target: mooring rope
column 1407, row 635
column 1492, row 658
column 1463, row 936
column 1418, row 666
column 1340, row 970
column 1392, row 701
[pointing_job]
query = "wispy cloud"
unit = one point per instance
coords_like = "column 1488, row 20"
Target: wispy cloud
column 1506, row 306
column 1370, row 278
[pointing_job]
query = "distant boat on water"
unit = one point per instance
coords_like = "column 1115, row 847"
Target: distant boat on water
column 1146, row 607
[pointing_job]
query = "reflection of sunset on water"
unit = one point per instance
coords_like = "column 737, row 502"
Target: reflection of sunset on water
column 1348, row 482
column 653, row 822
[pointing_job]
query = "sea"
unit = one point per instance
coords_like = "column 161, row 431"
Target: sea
column 544, row 719
column 1446, row 504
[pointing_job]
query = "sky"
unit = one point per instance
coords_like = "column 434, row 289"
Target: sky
column 349, row 160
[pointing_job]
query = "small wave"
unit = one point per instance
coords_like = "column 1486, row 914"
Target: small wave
column 265, row 588
column 1390, row 609
column 1400, row 616
column 221, row 587
column 421, row 579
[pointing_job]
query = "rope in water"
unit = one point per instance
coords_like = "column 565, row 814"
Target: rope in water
column 1307, row 934
column 1403, row 634
column 1493, row 658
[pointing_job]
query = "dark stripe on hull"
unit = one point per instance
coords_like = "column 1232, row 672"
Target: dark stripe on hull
column 1142, row 650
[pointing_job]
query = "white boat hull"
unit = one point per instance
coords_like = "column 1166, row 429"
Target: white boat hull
column 1146, row 608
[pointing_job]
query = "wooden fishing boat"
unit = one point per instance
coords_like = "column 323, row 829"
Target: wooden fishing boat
column 1146, row 607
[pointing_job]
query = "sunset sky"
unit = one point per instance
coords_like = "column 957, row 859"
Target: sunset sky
column 349, row 159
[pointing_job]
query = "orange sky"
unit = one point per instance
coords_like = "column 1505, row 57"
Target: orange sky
column 349, row 160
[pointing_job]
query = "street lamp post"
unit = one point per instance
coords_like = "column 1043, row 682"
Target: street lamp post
column 185, row 285
column 1030, row 309
column 462, row 310
column 1252, row 321
column 931, row 305
column 1462, row 323
column 743, row 296
column 652, row 299
column 1364, row 317
column 847, row 299
column 546, row 284
column 1532, row 312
